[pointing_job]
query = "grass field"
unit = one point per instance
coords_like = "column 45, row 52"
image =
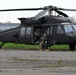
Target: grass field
column 19, row 46
column 35, row 47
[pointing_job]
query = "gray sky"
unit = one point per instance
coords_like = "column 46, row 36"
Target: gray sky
column 12, row 16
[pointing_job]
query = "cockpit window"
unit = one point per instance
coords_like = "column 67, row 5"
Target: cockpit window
column 68, row 28
column 74, row 26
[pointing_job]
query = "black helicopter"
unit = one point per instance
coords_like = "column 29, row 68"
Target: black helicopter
column 45, row 28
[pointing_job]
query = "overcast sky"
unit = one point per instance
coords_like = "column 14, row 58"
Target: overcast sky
column 12, row 4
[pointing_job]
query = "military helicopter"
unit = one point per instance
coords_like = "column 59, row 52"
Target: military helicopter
column 44, row 28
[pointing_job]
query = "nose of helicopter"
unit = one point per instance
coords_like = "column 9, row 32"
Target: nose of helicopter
column 72, row 36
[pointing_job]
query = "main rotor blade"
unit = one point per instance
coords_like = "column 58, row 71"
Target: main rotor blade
column 22, row 9
column 57, row 8
column 66, row 9
column 61, row 13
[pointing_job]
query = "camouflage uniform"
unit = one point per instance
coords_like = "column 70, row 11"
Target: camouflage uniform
column 37, row 35
column 42, row 42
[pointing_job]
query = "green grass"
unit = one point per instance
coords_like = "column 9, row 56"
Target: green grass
column 20, row 46
column 59, row 47
column 27, row 46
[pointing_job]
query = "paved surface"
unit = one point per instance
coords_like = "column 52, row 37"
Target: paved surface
column 21, row 62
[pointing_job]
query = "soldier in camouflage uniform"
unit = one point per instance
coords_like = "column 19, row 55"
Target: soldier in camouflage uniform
column 37, row 36
column 43, row 42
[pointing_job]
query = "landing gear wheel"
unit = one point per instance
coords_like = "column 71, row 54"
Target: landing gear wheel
column 72, row 47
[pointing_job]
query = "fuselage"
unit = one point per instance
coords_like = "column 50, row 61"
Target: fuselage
column 56, row 31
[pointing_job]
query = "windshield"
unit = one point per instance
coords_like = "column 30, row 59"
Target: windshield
column 69, row 28
column 74, row 26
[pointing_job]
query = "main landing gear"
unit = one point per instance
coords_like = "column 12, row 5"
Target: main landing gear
column 72, row 47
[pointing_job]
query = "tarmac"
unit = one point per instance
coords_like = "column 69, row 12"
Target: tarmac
column 28, row 62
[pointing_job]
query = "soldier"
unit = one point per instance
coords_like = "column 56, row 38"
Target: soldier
column 43, row 43
column 37, row 36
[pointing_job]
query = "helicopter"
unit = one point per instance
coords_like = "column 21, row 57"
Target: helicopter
column 45, row 28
